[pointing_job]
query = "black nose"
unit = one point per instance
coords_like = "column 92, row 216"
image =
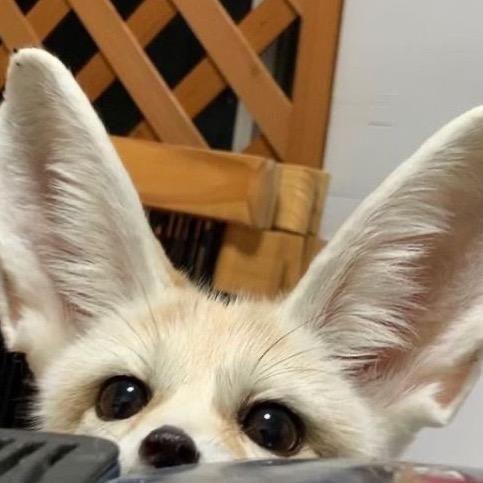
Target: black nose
column 168, row 446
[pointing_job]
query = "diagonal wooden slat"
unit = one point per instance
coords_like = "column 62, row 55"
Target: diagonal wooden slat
column 261, row 147
column 297, row 5
column 43, row 16
column 46, row 14
column 143, row 131
column 147, row 20
column 136, row 72
column 260, row 28
column 204, row 82
column 241, row 66
column 313, row 80
column 15, row 30
column 3, row 64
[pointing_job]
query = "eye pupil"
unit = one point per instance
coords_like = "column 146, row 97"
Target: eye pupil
column 121, row 397
column 274, row 427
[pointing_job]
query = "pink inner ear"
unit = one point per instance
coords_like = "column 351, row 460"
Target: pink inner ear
column 391, row 374
column 372, row 367
column 453, row 381
column 12, row 298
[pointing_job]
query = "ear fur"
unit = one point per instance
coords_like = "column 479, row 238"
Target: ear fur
column 397, row 295
column 74, row 242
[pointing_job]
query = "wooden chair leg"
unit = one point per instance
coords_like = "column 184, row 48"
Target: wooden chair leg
column 259, row 262
column 249, row 262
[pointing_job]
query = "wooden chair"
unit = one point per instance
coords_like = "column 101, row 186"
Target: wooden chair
column 272, row 194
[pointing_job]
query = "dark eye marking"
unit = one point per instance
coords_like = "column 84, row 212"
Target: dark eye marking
column 121, row 397
column 274, row 427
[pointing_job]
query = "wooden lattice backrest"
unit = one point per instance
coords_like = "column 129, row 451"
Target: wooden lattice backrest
column 273, row 209
column 291, row 129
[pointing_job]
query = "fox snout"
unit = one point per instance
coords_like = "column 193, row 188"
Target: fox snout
column 168, row 446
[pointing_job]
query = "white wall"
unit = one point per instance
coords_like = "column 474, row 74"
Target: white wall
column 405, row 68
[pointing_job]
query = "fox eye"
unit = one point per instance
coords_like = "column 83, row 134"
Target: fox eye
column 121, row 397
column 274, row 427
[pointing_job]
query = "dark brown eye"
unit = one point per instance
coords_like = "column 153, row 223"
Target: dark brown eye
column 274, row 427
column 121, row 397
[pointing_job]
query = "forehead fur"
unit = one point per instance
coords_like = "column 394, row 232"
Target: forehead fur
column 233, row 354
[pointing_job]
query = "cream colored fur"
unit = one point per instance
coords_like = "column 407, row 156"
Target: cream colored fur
column 381, row 337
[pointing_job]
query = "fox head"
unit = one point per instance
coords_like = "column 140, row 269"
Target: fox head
column 381, row 337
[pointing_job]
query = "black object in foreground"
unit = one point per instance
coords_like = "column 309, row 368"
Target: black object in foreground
column 34, row 457
column 28, row 457
column 307, row 471
column 15, row 388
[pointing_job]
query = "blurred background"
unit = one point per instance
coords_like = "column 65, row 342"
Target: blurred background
column 232, row 116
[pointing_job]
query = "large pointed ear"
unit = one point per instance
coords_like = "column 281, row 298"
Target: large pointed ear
column 74, row 242
column 397, row 295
